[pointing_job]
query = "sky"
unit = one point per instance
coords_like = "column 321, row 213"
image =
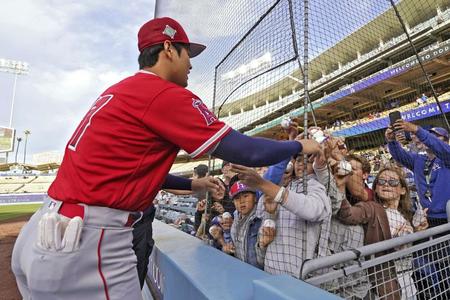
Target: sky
column 76, row 49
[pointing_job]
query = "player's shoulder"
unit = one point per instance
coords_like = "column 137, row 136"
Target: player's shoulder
column 174, row 92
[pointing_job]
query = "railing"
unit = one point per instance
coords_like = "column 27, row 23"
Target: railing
column 414, row 266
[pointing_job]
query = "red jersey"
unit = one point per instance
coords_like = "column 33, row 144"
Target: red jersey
column 123, row 149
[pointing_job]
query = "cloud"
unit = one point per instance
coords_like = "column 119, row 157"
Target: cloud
column 75, row 49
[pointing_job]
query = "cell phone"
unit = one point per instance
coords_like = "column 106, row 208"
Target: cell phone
column 394, row 116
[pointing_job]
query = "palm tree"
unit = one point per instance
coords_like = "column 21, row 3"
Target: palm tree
column 19, row 139
column 27, row 133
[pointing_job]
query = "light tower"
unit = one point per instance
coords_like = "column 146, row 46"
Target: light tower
column 27, row 133
column 17, row 68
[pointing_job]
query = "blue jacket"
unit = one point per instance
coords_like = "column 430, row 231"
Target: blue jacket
column 439, row 182
column 244, row 233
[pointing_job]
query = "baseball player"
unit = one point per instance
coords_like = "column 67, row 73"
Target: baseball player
column 78, row 244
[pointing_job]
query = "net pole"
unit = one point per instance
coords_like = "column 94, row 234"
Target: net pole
column 416, row 54
column 218, row 117
column 157, row 10
column 210, row 157
column 302, row 71
column 305, row 86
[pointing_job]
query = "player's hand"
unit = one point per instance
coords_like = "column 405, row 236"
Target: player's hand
column 266, row 236
column 405, row 126
column 248, row 176
column 208, row 183
column 389, row 134
column 309, row 146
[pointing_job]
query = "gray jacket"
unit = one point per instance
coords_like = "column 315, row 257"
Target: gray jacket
column 297, row 227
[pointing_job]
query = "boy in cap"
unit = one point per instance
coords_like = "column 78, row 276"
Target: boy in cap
column 250, row 240
column 114, row 165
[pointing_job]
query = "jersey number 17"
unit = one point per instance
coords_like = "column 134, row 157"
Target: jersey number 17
column 81, row 129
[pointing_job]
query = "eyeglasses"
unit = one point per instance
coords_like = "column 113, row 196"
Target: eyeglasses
column 391, row 182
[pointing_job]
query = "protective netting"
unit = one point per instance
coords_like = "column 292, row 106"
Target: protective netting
column 367, row 64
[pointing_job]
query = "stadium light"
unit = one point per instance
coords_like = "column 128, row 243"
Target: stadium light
column 19, row 139
column 14, row 66
column 27, row 133
column 254, row 65
column 17, row 68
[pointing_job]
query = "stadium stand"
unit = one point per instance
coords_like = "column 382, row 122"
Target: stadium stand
column 25, row 184
column 10, row 188
column 248, row 113
column 34, row 188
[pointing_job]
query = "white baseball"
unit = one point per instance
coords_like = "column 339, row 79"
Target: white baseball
column 285, row 123
column 226, row 215
column 269, row 223
column 318, row 135
column 345, row 168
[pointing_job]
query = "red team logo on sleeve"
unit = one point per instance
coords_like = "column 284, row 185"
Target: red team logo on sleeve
column 98, row 105
column 204, row 111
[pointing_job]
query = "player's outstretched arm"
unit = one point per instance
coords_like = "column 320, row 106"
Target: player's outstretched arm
column 182, row 186
column 257, row 152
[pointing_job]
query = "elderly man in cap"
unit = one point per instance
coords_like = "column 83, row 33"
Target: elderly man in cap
column 431, row 170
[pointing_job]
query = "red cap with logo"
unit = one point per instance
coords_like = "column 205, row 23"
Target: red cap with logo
column 238, row 187
column 159, row 30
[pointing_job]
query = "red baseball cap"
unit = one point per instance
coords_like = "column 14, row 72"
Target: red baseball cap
column 238, row 187
column 159, row 30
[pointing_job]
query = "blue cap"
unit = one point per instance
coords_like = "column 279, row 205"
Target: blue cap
column 439, row 131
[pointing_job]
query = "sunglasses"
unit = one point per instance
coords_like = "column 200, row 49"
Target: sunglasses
column 391, row 182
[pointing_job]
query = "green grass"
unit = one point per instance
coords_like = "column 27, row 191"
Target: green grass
column 13, row 211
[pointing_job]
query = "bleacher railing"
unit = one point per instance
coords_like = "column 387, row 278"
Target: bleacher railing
column 414, row 266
